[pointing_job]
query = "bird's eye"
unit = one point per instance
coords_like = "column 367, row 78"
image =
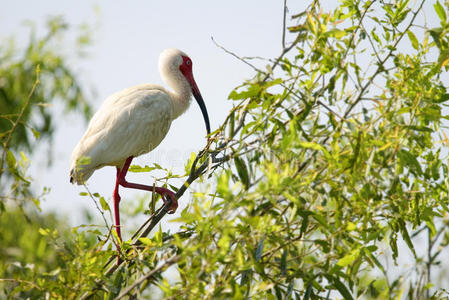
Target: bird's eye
column 188, row 62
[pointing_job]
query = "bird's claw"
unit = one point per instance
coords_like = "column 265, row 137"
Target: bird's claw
column 170, row 198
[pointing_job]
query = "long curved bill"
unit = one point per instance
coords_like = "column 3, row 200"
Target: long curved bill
column 200, row 102
column 199, row 99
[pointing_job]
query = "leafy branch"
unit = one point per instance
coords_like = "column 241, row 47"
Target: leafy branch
column 15, row 123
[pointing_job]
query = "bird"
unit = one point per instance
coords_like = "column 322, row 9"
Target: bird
column 133, row 122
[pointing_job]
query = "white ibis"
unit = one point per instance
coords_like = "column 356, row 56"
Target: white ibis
column 133, row 122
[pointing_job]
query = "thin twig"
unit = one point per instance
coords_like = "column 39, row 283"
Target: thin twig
column 98, row 208
column 237, row 56
column 283, row 24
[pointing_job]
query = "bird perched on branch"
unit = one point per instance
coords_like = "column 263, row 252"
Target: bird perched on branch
column 133, row 122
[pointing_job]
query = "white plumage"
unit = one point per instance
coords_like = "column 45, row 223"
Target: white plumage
column 133, row 122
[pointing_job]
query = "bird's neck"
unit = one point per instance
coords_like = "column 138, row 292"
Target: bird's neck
column 180, row 96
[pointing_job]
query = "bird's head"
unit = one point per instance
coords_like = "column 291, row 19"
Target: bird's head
column 176, row 66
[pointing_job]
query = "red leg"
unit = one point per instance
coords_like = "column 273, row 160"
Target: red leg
column 161, row 191
column 116, row 198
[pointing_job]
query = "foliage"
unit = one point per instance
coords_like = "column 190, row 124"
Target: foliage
column 18, row 75
column 30, row 81
column 332, row 158
column 35, row 248
column 38, row 249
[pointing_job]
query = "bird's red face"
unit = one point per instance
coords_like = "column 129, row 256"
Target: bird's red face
column 186, row 70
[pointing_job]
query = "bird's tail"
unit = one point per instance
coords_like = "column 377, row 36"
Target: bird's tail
column 80, row 174
column 72, row 173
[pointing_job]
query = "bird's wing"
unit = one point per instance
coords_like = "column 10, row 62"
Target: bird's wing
column 129, row 123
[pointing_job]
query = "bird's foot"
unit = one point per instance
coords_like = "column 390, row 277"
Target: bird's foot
column 170, row 198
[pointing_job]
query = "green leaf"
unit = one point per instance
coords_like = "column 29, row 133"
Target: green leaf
column 36, row 133
column 252, row 91
column 308, row 292
column 413, row 39
column 443, row 98
column 305, row 222
column 158, row 235
column 376, row 37
column 408, row 159
column 139, row 169
column 242, row 170
column 321, row 220
column 311, row 23
column 2, row 134
column 419, row 128
column 315, row 146
column 10, row 159
column 337, row 33
column 351, row 226
column 341, row 288
column 273, row 82
column 284, row 262
column 246, row 274
column 443, row 58
column 393, row 241
column 189, row 162
column 231, row 124
column 432, row 228
column 259, row 249
column 348, row 258
column 146, row 241
column 43, row 231
column 373, row 258
column 436, row 34
column 406, row 236
column 104, row 204
column 157, row 166
column 439, row 9
column 115, row 288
